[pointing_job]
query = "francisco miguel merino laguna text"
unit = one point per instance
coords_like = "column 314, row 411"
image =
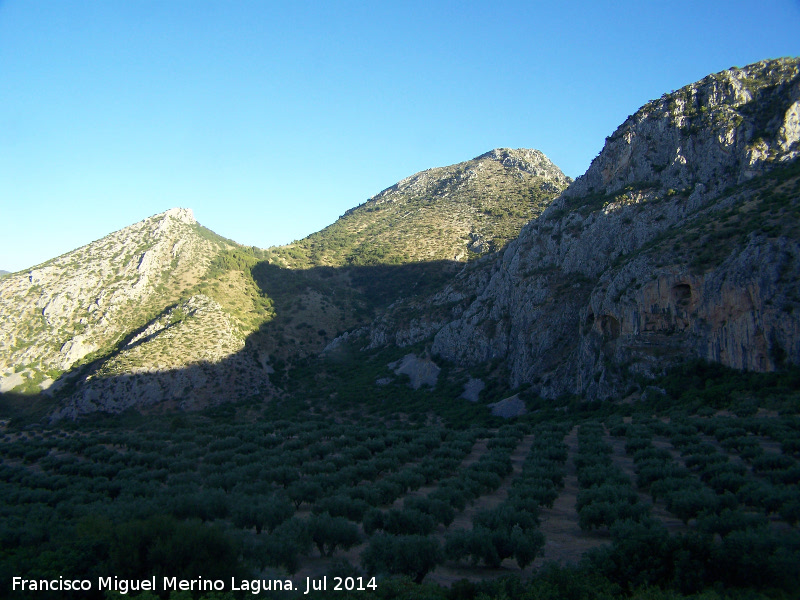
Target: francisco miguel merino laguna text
column 198, row 584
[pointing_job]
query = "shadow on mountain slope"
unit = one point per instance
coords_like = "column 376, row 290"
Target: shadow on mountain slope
column 311, row 308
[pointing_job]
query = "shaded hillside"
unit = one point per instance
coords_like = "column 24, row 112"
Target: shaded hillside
column 78, row 305
column 166, row 313
column 680, row 241
column 407, row 241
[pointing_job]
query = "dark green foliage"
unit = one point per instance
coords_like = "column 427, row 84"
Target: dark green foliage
column 688, row 503
column 442, row 512
column 304, row 490
column 492, row 546
column 497, row 534
column 727, row 521
column 163, row 546
column 329, row 533
column 639, row 555
column 406, row 521
column 606, row 495
column 506, row 517
column 283, row 547
column 704, row 384
column 478, row 544
column 340, row 505
column 411, row 555
column 790, row 510
column 606, row 504
column 227, row 471
column 603, row 474
column 530, row 496
column 262, row 513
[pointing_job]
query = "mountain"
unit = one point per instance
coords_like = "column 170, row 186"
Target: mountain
column 681, row 241
column 166, row 313
column 117, row 322
column 351, row 386
column 406, row 241
column 447, row 213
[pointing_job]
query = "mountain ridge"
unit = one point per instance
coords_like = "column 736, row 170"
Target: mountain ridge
column 679, row 242
column 488, row 199
column 165, row 309
column 584, row 237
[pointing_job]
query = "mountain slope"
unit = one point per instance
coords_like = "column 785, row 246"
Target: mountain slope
column 406, row 241
column 67, row 308
column 167, row 313
column 680, row 241
column 446, row 213
column 136, row 302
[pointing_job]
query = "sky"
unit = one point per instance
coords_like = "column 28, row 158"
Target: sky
column 271, row 119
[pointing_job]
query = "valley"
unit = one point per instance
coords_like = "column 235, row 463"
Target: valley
column 486, row 381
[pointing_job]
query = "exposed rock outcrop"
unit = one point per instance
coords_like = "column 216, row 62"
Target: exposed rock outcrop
column 473, row 389
column 629, row 270
column 682, row 240
column 119, row 321
column 508, row 408
column 420, row 370
column 440, row 214
column 57, row 313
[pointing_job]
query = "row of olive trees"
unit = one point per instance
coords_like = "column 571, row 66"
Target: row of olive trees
column 401, row 541
column 606, row 494
column 511, row 529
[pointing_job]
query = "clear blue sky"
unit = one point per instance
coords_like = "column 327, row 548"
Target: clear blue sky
column 270, row 119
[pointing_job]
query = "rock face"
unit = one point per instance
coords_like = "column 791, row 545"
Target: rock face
column 472, row 389
column 676, row 243
column 188, row 357
column 421, row 371
column 724, row 129
column 58, row 312
column 407, row 240
column 165, row 313
column 508, row 408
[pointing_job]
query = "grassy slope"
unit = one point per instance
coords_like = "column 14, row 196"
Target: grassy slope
column 434, row 215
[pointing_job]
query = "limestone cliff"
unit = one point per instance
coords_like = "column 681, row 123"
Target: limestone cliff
column 57, row 313
column 164, row 313
column 680, row 241
column 405, row 241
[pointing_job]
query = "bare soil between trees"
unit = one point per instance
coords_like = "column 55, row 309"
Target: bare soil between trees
column 565, row 541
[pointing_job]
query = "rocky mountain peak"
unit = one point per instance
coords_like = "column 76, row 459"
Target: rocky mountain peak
column 680, row 241
column 184, row 215
column 77, row 304
column 528, row 160
column 726, row 128
column 451, row 213
column 468, row 174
